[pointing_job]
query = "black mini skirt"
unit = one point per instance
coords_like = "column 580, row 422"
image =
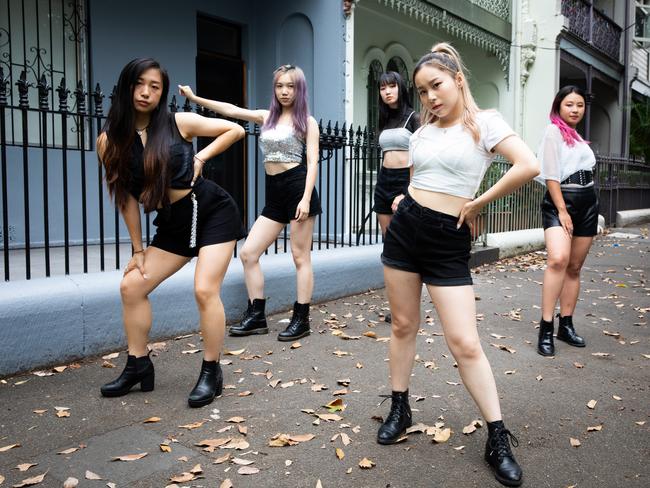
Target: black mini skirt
column 217, row 220
column 581, row 204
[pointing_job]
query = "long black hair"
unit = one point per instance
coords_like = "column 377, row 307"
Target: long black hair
column 569, row 134
column 387, row 115
column 120, row 137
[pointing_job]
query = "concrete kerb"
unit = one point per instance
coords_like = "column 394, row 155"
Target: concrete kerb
column 626, row 218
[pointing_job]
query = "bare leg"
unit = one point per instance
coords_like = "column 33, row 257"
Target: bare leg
column 558, row 247
column 457, row 311
column 301, row 237
column 569, row 296
column 384, row 220
column 136, row 309
column 211, row 268
column 260, row 237
column 404, row 291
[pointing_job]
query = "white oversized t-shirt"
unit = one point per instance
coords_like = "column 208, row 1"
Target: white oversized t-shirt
column 559, row 160
column 447, row 160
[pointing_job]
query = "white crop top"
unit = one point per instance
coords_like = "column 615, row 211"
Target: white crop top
column 449, row 161
column 559, row 160
column 396, row 139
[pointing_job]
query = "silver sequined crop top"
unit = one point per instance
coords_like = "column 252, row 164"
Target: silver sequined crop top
column 396, row 139
column 281, row 145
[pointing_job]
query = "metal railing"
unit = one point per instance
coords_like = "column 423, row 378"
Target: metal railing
column 593, row 27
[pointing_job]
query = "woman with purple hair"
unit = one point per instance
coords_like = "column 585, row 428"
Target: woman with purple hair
column 289, row 141
column 569, row 214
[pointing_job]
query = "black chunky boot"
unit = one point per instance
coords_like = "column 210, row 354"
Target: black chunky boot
column 545, row 345
column 209, row 385
column 388, row 318
column 398, row 420
column 299, row 325
column 499, row 456
column 254, row 322
column 137, row 370
column 566, row 332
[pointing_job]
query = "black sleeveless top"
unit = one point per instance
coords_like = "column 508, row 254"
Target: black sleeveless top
column 180, row 164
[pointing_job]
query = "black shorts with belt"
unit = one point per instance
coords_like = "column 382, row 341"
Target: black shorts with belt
column 284, row 192
column 218, row 220
column 427, row 242
column 391, row 182
column 581, row 204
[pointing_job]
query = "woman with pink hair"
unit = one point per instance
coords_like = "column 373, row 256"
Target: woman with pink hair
column 289, row 141
column 569, row 214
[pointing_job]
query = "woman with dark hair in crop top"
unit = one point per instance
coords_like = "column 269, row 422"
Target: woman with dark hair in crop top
column 289, row 141
column 569, row 214
column 429, row 240
column 149, row 159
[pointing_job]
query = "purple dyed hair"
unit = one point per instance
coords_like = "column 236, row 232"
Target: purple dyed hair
column 569, row 134
column 300, row 109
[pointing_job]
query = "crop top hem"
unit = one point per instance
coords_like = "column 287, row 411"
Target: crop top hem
column 445, row 192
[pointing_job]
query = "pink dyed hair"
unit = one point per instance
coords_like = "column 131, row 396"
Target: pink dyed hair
column 569, row 134
column 300, row 108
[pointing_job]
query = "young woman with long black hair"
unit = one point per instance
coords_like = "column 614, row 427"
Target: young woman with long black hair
column 289, row 141
column 149, row 159
column 429, row 241
column 569, row 214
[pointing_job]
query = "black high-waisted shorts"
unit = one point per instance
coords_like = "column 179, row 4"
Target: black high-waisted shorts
column 391, row 182
column 284, row 192
column 423, row 241
column 582, row 205
column 218, row 220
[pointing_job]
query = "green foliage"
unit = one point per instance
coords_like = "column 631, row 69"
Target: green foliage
column 640, row 129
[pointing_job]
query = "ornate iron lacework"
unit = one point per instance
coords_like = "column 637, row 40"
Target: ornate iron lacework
column 440, row 19
column 500, row 8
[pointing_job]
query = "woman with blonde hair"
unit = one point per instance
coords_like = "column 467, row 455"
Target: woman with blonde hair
column 289, row 141
column 429, row 241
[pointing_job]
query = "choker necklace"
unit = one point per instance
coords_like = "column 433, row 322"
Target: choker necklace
column 140, row 131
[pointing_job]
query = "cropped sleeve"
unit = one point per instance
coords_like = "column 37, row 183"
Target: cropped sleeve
column 548, row 154
column 493, row 129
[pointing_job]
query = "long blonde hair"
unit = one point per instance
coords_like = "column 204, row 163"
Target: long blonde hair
column 445, row 57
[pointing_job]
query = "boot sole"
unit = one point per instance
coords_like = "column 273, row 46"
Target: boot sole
column 200, row 403
column 391, row 441
column 115, row 394
column 248, row 332
column 545, row 355
column 293, row 338
column 570, row 343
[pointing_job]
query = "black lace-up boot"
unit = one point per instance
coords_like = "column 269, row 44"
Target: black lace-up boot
column 398, row 420
column 209, row 385
column 137, row 370
column 499, row 456
column 299, row 325
column 566, row 332
column 254, row 321
column 545, row 344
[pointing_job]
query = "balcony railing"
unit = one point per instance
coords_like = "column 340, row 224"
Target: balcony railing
column 593, row 27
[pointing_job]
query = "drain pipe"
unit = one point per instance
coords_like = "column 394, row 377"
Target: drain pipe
column 627, row 99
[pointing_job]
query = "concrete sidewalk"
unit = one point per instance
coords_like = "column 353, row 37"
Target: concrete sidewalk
column 273, row 388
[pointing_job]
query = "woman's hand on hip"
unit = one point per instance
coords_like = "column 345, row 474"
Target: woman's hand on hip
column 396, row 202
column 198, row 169
column 468, row 214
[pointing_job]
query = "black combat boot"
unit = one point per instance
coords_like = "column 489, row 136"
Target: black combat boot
column 299, row 325
column 137, row 370
column 545, row 345
column 566, row 332
column 398, row 420
column 499, row 456
column 209, row 385
column 254, row 321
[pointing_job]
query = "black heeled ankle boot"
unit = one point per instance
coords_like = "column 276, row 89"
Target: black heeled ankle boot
column 398, row 420
column 208, row 386
column 566, row 332
column 545, row 345
column 137, row 370
column 499, row 455
column 299, row 325
column 254, row 321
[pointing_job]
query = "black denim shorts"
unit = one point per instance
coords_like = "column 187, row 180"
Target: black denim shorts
column 391, row 182
column 284, row 192
column 218, row 220
column 581, row 204
column 421, row 240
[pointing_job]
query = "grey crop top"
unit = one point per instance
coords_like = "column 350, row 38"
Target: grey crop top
column 281, row 145
column 396, row 139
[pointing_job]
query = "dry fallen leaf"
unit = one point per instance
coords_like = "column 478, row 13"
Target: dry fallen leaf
column 112, row 355
column 329, row 417
column 591, row 404
column 336, row 405
column 236, row 420
column 574, row 442
column 600, row 354
column 71, row 483
column 221, row 459
column 468, row 429
column 503, row 347
column 595, row 428
column 339, row 453
column 442, row 435
column 92, row 476
column 10, row 446
column 296, row 345
column 130, row 457
column 31, row 481
column 152, row 420
column 366, row 463
column 182, row 478
column 165, row 448
column 226, row 483
column 617, row 398
column 282, row 440
column 234, row 353
column 25, row 466
column 578, row 365
column 242, row 462
column 68, row 451
column 194, row 425
column 248, row 470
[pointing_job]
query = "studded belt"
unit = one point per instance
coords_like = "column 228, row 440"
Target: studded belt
column 580, row 177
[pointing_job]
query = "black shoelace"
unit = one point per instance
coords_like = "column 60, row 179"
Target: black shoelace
column 500, row 442
column 397, row 409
